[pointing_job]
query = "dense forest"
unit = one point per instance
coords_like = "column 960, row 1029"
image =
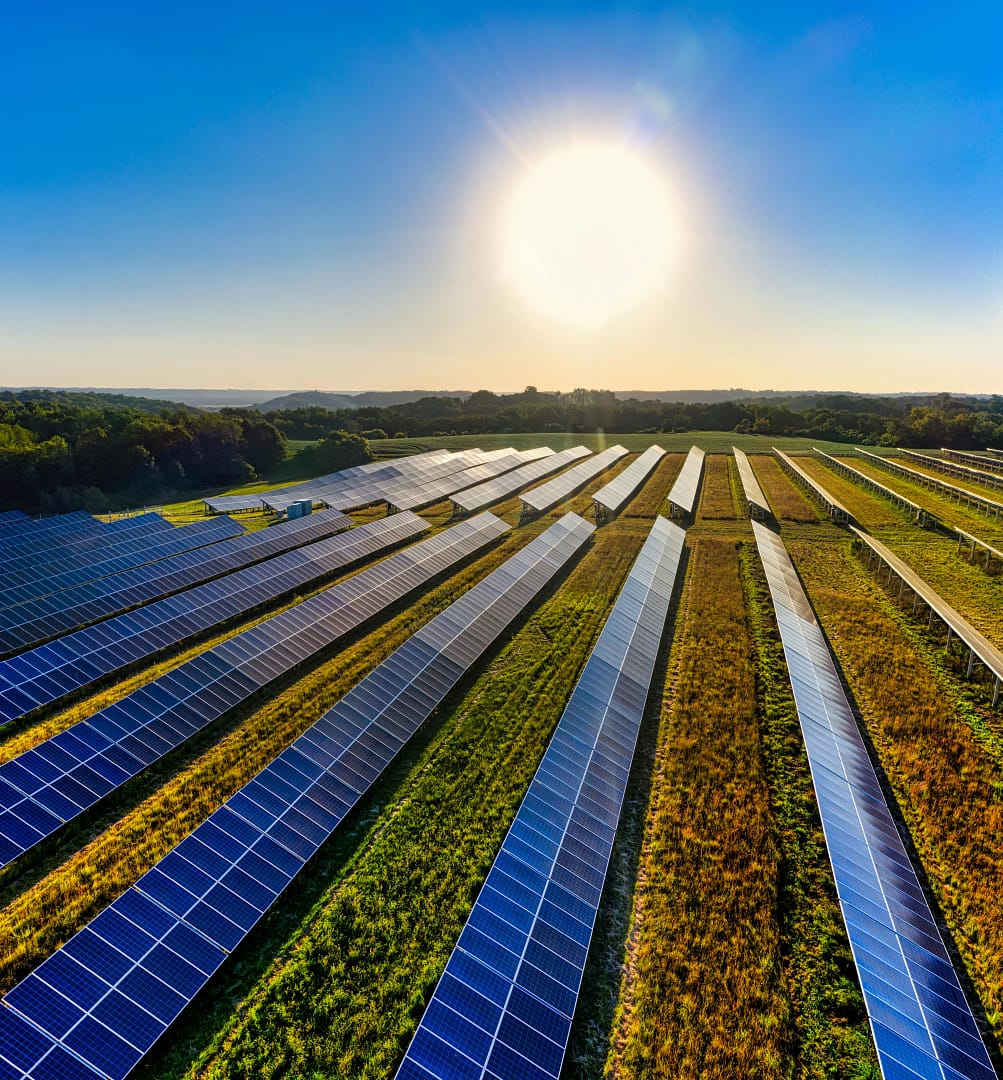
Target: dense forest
column 921, row 421
column 61, row 450
column 57, row 454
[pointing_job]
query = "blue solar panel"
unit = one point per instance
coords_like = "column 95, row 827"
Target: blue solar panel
column 73, row 553
column 143, row 958
column 102, row 752
column 45, row 674
column 49, row 534
column 504, row 1004
column 918, row 1031
column 610, row 499
column 60, row 574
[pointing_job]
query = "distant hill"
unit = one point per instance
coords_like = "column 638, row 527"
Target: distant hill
column 370, row 399
column 91, row 399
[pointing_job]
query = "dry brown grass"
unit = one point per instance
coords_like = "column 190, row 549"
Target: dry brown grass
column 787, row 500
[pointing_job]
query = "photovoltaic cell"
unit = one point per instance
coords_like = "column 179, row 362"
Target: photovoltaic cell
column 94, row 600
column 683, row 496
column 112, row 990
column 55, row 781
column 62, row 574
column 759, row 508
column 429, row 492
column 918, row 513
column 51, row 533
column 897, row 948
column 502, row 486
column 504, row 1005
column 27, row 567
column 562, row 487
column 610, row 499
column 977, row 462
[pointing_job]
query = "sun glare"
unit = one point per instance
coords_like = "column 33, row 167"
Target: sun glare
column 589, row 233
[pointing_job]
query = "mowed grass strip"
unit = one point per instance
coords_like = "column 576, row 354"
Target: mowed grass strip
column 938, row 754
column 107, row 850
column 704, row 991
column 829, row 1035
column 716, row 500
column 347, row 988
column 787, row 501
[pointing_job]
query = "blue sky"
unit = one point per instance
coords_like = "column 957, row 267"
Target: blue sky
column 308, row 195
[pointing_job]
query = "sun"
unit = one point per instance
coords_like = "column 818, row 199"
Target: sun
column 589, row 233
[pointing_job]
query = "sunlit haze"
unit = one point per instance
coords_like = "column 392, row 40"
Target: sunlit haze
column 587, row 234
column 464, row 196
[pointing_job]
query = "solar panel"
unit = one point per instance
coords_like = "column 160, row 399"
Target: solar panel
column 683, row 496
column 231, row 504
column 918, row 513
column 101, row 562
column 958, row 626
column 504, row 1005
column 115, row 987
column 55, row 781
column 977, row 461
column 836, row 510
column 324, row 488
column 610, row 499
column 432, row 491
column 72, row 609
column 562, row 487
column 759, row 508
column 9, row 519
column 953, row 468
column 74, row 552
column 502, row 486
column 972, row 498
column 48, row 673
column 50, row 533
column 921, row 1022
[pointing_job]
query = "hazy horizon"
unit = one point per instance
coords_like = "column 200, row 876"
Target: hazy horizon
column 326, row 191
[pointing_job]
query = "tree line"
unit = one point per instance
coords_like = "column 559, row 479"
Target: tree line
column 56, row 455
column 914, row 421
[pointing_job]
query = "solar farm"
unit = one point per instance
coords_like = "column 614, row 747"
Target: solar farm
column 512, row 765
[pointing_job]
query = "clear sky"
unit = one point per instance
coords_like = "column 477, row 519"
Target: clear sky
column 303, row 196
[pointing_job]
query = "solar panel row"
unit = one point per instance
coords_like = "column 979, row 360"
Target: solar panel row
column 919, row 514
column 504, row 1005
column 972, row 498
column 231, row 504
column 112, row 990
column 94, row 600
column 44, row 675
column 954, row 468
column 71, row 554
column 43, row 617
column 501, row 486
column 50, row 533
column 55, row 781
column 920, row 1019
column 562, row 487
column 104, row 562
column 979, row 645
column 683, row 496
column 395, row 490
column 759, row 508
column 11, row 518
column 362, row 479
column 413, row 497
column 976, row 461
column 835, row 509
column 610, row 499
